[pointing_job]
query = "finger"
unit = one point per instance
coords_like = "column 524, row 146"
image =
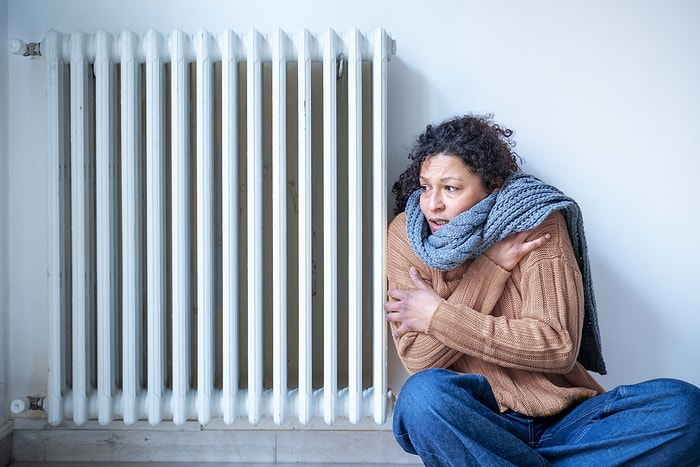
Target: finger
column 518, row 236
column 392, row 307
column 393, row 317
column 537, row 242
column 396, row 294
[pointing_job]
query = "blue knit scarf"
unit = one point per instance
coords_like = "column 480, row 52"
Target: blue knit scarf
column 522, row 203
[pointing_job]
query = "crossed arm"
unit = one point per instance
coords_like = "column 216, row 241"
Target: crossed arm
column 413, row 309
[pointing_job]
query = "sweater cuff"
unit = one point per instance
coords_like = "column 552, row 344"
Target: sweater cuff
column 460, row 329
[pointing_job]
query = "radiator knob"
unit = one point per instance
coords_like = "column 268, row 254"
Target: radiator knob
column 17, row 47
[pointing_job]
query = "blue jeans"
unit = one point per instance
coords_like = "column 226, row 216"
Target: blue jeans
column 452, row 419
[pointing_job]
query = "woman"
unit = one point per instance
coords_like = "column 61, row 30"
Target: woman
column 493, row 314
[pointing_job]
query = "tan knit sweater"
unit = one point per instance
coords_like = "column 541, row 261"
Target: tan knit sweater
column 520, row 329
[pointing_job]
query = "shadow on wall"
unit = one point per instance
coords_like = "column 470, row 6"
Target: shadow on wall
column 631, row 330
column 409, row 103
column 406, row 118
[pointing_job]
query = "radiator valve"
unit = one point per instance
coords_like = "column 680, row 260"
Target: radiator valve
column 23, row 404
column 19, row 47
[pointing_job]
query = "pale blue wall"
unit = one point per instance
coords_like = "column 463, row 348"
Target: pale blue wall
column 4, row 192
column 604, row 97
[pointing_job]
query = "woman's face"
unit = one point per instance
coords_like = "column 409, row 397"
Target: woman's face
column 448, row 188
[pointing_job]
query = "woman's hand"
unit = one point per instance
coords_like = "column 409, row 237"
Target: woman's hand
column 412, row 308
column 509, row 251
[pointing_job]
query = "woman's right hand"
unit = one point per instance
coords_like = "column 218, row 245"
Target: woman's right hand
column 509, row 251
column 412, row 309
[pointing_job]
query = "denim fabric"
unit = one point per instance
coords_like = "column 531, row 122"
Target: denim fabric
column 450, row 419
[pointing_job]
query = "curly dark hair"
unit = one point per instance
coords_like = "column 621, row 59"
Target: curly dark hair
column 484, row 146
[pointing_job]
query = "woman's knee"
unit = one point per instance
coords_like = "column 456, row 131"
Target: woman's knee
column 415, row 394
column 675, row 402
column 681, row 395
column 433, row 390
column 681, row 404
column 684, row 399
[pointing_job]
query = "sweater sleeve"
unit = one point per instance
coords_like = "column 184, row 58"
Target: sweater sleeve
column 529, row 318
column 416, row 350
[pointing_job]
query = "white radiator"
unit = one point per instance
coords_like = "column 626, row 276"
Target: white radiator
column 217, row 224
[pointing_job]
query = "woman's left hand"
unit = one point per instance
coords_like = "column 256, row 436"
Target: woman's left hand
column 412, row 308
column 509, row 251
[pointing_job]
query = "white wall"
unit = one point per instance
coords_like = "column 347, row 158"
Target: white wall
column 4, row 192
column 604, row 97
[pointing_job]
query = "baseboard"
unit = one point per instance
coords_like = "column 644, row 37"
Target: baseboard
column 365, row 444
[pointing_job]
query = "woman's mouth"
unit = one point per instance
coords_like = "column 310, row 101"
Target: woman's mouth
column 436, row 224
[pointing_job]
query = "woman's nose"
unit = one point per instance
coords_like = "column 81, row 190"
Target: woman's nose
column 435, row 203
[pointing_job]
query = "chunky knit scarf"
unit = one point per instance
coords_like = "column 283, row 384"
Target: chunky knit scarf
column 522, row 203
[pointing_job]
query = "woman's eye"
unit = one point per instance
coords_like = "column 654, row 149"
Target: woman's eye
column 424, row 188
column 450, row 188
